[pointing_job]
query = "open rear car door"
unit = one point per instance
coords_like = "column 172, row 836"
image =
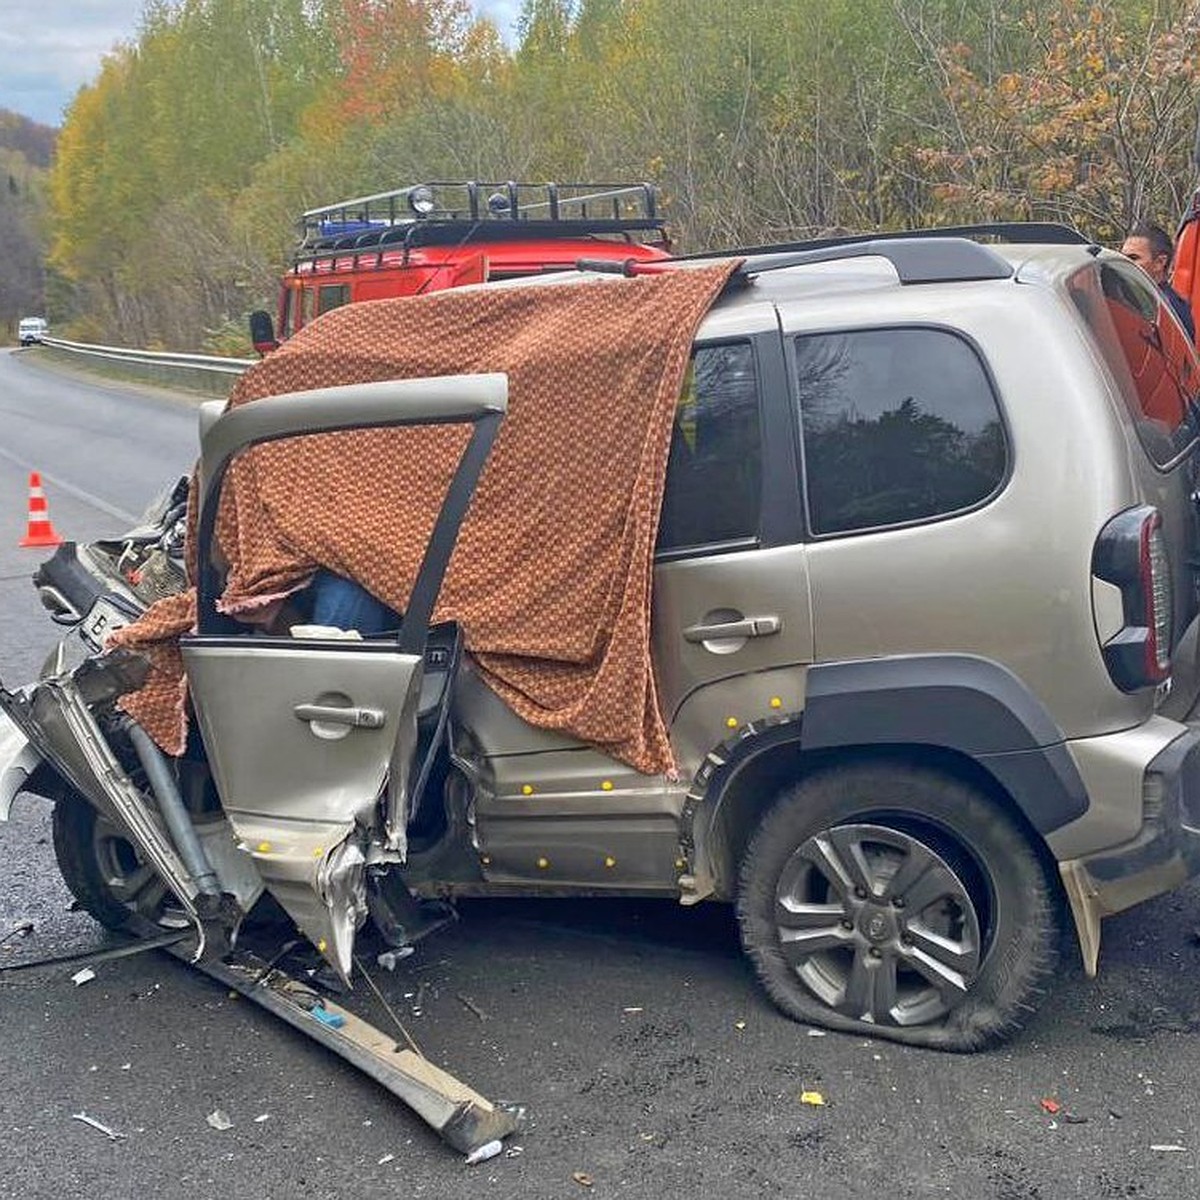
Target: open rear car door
column 314, row 743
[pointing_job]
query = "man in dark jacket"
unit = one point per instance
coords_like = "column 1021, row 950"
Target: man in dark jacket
column 1151, row 248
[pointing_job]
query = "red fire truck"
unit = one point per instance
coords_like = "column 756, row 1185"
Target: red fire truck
column 439, row 235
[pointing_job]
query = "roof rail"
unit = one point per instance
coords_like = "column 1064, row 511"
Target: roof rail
column 935, row 255
column 1014, row 232
column 916, row 260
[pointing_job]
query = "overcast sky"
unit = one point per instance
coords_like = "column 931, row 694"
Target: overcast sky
column 49, row 48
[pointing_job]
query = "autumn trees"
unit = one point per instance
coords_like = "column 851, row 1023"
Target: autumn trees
column 1093, row 124
column 25, row 149
column 183, row 165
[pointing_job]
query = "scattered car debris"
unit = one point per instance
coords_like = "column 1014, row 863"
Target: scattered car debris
column 387, row 1008
column 82, row 977
column 389, row 958
column 470, row 1005
column 332, row 1019
column 21, row 929
column 219, row 1119
column 484, row 1152
column 514, row 1152
column 463, row 1118
column 1050, row 1105
column 814, row 1100
column 327, row 980
column 111, row 1134
column 582, row 1178
column 137, row 945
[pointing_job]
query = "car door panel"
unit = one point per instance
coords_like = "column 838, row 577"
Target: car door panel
column 311, row 742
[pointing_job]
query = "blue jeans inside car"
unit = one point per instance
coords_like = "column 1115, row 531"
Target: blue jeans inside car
column 345, row 604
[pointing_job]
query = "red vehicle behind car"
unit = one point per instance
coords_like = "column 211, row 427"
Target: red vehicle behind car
column 438, row 235
column 1185, row 270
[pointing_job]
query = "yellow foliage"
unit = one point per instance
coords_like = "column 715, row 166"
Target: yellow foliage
column 760, row 121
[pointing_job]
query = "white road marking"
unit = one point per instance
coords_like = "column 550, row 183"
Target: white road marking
column 77, row 492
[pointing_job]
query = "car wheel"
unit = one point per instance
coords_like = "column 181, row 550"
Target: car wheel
column 896, row 901
column 105, row 871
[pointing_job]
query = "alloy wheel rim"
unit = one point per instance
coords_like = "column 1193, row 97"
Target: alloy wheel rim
column 877, row 925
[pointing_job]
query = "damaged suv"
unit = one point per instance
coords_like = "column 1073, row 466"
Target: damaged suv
column 893, row 644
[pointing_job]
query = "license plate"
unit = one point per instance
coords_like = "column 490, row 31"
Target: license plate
column 103, row 619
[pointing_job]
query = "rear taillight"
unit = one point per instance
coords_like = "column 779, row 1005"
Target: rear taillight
column 1131, row 554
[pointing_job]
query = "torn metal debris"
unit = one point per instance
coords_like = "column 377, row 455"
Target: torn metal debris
column 100, row 1127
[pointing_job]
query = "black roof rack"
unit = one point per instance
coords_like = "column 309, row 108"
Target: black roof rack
column 949, row 253
column 450, row 212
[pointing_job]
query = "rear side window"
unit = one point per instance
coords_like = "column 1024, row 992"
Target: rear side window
column 899, row 425
column 714, row 473
column 1149, row 355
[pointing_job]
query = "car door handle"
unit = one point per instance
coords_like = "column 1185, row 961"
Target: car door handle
column 747, row 627
column 360, row 718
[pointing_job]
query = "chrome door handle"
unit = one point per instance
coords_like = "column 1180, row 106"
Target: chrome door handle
column 360, row 718
column 747, row 627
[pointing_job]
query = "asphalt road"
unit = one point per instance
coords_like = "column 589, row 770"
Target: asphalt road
column 650, row 1062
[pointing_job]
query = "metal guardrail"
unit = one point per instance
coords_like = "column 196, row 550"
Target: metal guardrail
column 201, row 373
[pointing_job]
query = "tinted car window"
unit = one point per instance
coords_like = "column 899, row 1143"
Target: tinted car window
column 1149, row 355
column 899, row 425
column 714, row 473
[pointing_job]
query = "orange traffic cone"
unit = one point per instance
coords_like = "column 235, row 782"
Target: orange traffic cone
column 40, row 532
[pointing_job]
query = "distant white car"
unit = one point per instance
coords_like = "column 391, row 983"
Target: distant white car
column 32, row 329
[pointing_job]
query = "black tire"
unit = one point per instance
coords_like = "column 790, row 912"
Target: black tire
column 824, row 917
column 104, row 871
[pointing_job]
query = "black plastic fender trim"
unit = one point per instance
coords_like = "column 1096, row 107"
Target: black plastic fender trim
column 970, row 705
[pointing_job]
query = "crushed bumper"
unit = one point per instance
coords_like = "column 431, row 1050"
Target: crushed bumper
column 1164, row 853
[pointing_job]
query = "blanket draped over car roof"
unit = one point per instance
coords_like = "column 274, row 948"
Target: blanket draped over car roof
column 551, row 575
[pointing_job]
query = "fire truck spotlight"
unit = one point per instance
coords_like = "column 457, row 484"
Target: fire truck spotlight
column 420, row 200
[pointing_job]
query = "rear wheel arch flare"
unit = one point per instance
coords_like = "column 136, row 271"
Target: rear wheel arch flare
column 758, row 769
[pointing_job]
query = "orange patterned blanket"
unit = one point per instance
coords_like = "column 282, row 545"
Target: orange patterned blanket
column 551, row 575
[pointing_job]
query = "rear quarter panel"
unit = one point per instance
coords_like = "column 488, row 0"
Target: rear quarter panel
column 1010, row 580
